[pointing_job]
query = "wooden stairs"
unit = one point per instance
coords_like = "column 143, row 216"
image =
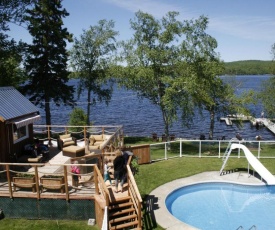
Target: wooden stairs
column 122, row 214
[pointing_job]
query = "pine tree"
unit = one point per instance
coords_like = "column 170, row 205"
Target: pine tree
column 46, row 64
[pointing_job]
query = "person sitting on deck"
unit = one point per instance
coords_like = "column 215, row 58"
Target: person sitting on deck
column 259, row 137
column 239, row 137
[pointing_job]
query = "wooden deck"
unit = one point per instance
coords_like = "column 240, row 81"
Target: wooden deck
column 56, row 164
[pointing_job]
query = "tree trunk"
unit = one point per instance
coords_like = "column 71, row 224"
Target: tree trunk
column 212, row 123
column 166, row 123
column 88, row 106
column 47, row 111
column 48, row 115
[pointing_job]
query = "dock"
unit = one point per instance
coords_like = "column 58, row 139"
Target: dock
column 270, row 125
column 238, row 117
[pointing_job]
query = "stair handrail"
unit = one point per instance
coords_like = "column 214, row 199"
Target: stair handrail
column 134, row 193
column 100, row 187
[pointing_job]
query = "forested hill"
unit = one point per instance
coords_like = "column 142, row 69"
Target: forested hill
column 251, row 67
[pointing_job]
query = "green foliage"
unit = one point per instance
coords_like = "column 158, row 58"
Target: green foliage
column 25, row 175
column 12, row 11
column 77, row 118
column 135, row 165
column 248, row 67
column 46, row 63
column 91, row 59
column 169, row 62
column 267, row 95
column 11, row 55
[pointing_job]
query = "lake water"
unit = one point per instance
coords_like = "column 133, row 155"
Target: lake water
column 141, row 118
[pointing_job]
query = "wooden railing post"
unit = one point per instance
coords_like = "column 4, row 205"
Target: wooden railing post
column 9, row 180
column 66, row 183
column 96, row 181
column 37, row 182
column 49, row 134
column 85, row 135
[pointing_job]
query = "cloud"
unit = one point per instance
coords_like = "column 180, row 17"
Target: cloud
column 245, row 27
column 156, row 8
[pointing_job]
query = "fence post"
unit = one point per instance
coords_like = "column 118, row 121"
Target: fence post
column 180, row 148
column 219, row 149
column 165, row 152
column 259, row 149
column 239, row 151
column 200, row 149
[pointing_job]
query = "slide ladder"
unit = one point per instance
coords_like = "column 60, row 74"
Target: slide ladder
column 227, row 154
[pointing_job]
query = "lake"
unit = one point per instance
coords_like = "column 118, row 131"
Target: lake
column 141, row 118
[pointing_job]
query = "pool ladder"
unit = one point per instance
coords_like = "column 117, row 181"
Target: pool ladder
column 252, row 228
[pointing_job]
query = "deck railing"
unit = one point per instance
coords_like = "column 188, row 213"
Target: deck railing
column 51, row 132
column 15, row 176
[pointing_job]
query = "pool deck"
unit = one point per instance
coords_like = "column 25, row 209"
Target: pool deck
column 156, row 200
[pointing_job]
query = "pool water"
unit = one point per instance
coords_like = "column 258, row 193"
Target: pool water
column 224, row 206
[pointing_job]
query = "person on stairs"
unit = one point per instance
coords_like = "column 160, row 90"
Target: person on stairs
column 119, row 171
column 106, row 171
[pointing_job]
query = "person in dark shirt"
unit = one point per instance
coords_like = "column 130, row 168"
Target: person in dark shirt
column 239, row 137
column 119, row 171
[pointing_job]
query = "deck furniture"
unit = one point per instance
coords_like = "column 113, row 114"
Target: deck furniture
column 73, row 151
column 65, row 140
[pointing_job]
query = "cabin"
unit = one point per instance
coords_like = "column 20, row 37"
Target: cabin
column 17, row 115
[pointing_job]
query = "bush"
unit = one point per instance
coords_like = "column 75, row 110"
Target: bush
column 77, row 118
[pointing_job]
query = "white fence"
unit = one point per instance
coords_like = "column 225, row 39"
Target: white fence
column 208, row 148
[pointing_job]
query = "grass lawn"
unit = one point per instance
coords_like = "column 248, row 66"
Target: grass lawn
column 150, row 177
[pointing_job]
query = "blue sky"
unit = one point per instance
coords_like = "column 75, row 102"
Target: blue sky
column 244, row 29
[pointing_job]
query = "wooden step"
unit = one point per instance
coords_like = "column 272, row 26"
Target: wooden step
column 124, row 225
column 123, row 218
column 120, row 206
column 119, row 200
column 121, row 212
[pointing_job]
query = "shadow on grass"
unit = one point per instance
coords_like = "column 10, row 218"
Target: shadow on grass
column 150, row 204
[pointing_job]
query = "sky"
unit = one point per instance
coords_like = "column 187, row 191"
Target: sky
column 244, row 29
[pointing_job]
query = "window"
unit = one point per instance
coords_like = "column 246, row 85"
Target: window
column 20, row 133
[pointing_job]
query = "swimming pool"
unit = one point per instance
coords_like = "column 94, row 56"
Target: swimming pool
column 226, row 206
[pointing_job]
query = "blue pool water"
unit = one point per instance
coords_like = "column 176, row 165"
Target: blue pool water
column 225, row 206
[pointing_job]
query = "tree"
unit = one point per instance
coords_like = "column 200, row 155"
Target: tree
column 77, row 118
column 91, row 59
column 12, row 11
column 11, row 55
column 165, row 61
column 46, row 64
column 267, row 93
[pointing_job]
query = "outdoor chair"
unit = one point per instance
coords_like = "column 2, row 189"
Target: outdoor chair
column 65, row 141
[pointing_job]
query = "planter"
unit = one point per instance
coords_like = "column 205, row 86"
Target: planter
column 24, row 182
column 53, row 183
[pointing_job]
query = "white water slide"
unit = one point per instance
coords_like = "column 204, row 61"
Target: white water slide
column 254, row 162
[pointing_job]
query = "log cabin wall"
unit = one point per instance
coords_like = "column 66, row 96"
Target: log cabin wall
column 8, row 147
